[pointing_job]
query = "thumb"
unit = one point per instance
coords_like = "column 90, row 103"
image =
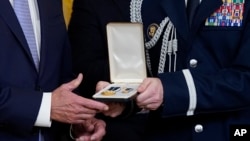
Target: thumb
column 142, row 87
column 74, row 83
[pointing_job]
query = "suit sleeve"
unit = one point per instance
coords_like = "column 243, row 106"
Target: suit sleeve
column 18, row 109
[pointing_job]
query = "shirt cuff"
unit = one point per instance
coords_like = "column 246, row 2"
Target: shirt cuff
column 43, row 118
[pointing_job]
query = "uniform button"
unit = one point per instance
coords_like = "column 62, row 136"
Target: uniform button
column 193, row 63
column 198, row 128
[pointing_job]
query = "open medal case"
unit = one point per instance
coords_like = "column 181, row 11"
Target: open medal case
column 126, row 60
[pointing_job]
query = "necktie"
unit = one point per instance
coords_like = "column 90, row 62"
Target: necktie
column 22, row 11
column 191, row 8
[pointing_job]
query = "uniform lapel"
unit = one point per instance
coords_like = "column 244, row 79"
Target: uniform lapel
column 8, row 15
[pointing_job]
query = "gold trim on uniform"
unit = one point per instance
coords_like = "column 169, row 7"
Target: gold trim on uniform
column 151, row 30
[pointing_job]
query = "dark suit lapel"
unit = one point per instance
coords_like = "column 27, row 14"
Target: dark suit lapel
column 176, row 11
column 8, row 15
column 45, row 11
column 43, row 20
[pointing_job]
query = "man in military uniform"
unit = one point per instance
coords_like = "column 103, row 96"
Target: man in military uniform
column 199, row 87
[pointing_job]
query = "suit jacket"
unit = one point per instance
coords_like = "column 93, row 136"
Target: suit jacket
column 208, row 93
column 21, row 85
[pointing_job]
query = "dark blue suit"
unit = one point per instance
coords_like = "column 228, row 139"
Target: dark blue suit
column 21, row 86
column 220, row 75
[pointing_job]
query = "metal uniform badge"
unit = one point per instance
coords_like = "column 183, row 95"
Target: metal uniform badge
column 230, row 13
column 151, row 30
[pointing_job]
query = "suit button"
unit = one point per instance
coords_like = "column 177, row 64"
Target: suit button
column 198, row 128
column 193, row 63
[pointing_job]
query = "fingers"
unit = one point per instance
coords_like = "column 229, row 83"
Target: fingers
column 71, row 108
column 99, row 131
column 85, row 137
column 91, row 130
column 152, row 103
column 144, row 92
column 115, row 109
column 85, row 127
column 113, row 113
column 144, row 99
column 92, row 104
column 74, row 83
column 150, row 106
column 85, row 109
column 81, row 139
column 101, row 85
column 150, row 94
column 88, row 125
column 80, row 118
column 72, row 114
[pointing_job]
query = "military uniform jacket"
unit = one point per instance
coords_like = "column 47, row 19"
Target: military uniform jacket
column 206, row 89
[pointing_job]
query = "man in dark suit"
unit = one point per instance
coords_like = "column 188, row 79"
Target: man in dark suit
column 33, row 101
column 87, row 33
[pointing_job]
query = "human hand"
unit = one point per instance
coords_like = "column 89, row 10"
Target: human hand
column 150, row 94
column 90, row 130
column 115, row 108
column 68, row 107
column 101, row 85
